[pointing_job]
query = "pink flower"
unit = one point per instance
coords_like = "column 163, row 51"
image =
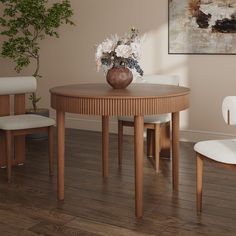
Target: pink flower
column 98, row 64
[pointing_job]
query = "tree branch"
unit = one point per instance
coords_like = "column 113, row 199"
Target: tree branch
column 37, row 67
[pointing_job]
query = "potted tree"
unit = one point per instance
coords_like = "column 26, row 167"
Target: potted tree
column 23, row 25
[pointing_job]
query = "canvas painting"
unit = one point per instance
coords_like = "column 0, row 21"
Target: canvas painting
column 202, row 26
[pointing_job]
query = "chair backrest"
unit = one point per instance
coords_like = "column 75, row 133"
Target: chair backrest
column 229, row 110
column 161, row 79
column 17, row 86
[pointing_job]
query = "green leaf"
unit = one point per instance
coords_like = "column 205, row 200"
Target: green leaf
column 26, row 22
column 37, row 99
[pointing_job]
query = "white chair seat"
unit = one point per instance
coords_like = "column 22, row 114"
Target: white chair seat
column 163, row 118
column 223, row 151
column 25, row 121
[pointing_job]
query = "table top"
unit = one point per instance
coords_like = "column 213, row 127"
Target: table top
column 137, row 99
column 141, row 90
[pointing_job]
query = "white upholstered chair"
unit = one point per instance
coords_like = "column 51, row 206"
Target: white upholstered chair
column 155, row 125
column 221, row 152
column 20, row 124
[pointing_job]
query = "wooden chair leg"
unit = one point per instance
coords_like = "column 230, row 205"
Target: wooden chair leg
column 120, row 141
column 19, row 142
column 157, row 147
column 149, row 143
column 3, row 161
column 199, row 182
column 51, row 149
column 165, row 140
column 8, row 139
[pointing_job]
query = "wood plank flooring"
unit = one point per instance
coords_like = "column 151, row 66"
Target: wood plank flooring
column 94, row 206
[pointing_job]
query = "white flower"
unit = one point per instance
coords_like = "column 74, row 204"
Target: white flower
column 115, row 38
column 114, row 50
column 123, row 51
column 136, row 50
column 99, row 52
column 107, row 46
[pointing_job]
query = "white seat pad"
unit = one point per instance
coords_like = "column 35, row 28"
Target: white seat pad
column 25, row 121
column 219, row 150
column 163, row 118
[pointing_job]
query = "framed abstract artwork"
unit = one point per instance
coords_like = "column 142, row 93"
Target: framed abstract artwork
column 202, row 27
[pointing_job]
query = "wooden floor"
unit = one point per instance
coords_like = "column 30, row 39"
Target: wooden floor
column 93, row 206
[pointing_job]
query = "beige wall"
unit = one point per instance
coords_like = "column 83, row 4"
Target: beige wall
column 70, row 59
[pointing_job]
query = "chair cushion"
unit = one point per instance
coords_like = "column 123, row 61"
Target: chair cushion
column 219, row 150
column 163, row 118
column 26, row 121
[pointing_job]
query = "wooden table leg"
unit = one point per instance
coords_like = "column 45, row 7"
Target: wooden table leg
column 175, row 150
column 138, row 153
column 61, row 154
column 105, row 145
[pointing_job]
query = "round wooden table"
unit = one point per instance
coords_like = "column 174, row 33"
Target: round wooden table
column 137, row 100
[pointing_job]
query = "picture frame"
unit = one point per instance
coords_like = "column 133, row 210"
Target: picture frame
column 198, row 27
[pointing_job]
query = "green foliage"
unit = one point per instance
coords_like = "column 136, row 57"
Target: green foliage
column 25, row 23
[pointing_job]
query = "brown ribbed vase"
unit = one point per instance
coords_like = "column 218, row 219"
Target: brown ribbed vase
column 119, row 77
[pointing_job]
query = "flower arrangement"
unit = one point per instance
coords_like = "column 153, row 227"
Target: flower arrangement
column 120, row 52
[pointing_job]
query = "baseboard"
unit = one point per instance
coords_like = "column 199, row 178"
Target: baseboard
column 199, row 135
column 185, row 134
